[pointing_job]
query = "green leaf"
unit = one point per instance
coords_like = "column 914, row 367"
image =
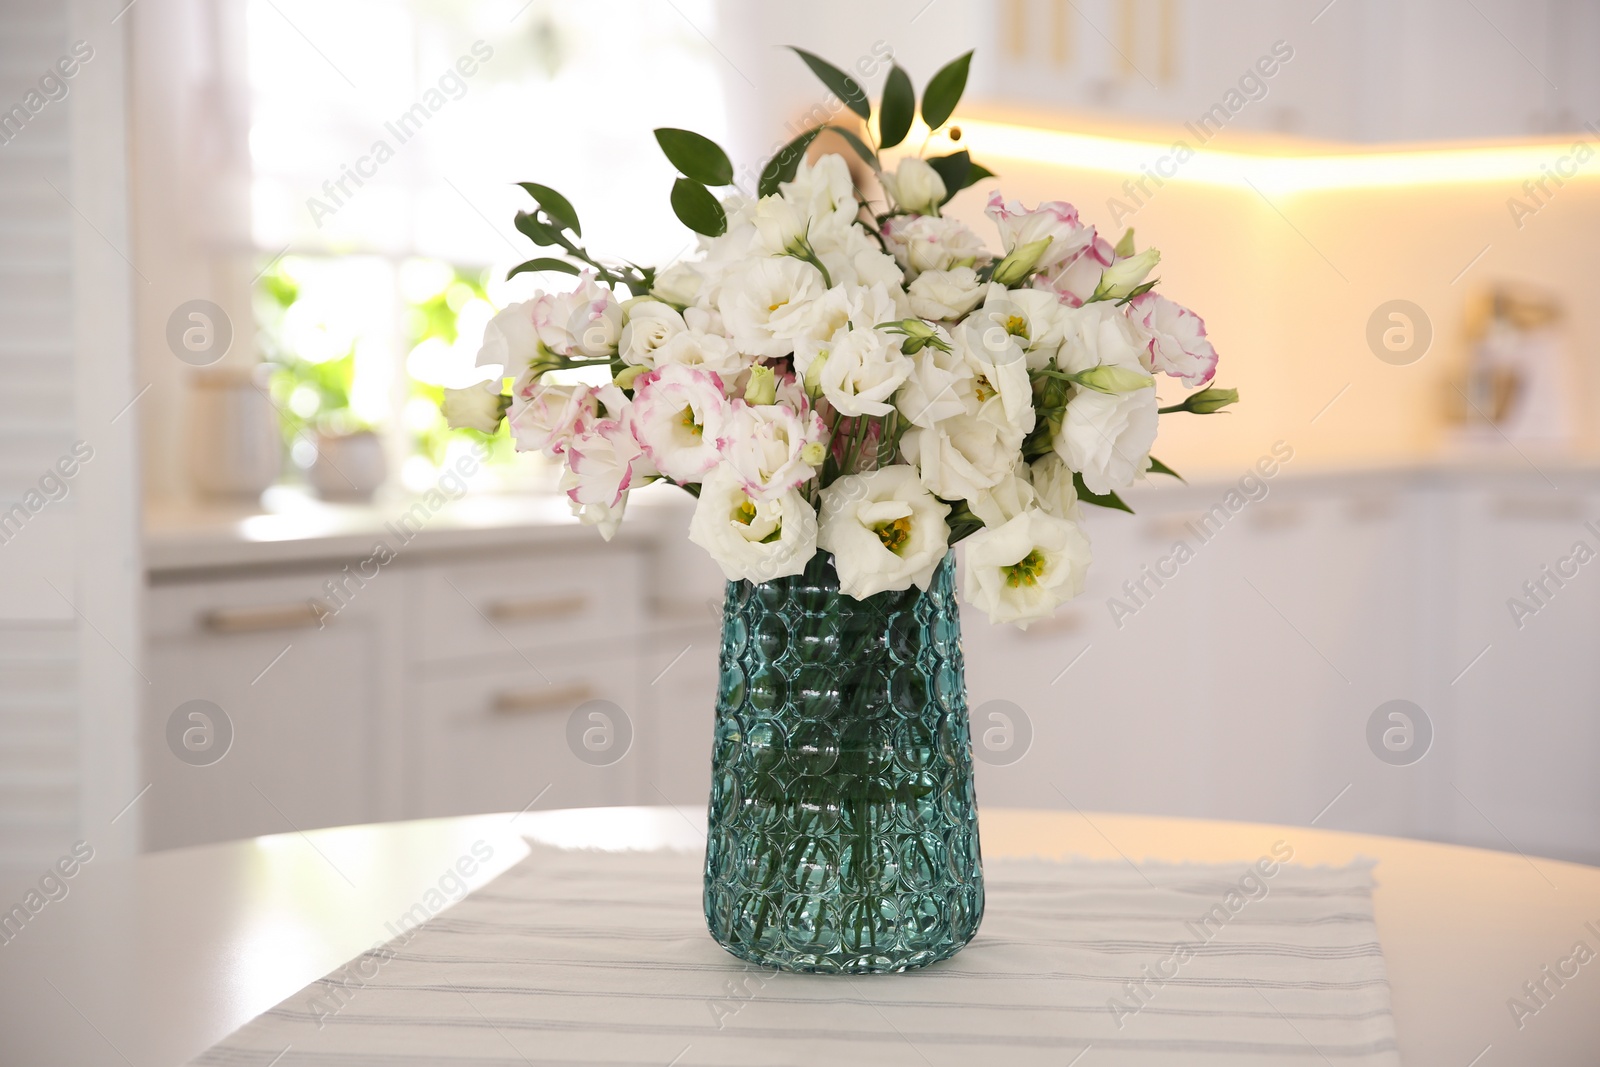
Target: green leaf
column 781, row 167
column 1158, row 467
column 543, row 263
column 558, row 207
column 697, row 208
column 839, row 83
column 944, row 91
column 695, row 156
column 898, row 108
column 862, row 148
column 528, row 223
column 1103, row 500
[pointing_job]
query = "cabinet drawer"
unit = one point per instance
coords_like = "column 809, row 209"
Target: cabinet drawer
column 494, row 741
column 487, row 608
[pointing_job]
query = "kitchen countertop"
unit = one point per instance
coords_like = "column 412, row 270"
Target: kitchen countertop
column 290, row 526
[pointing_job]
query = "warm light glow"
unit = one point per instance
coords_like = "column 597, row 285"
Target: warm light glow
column 1282, row 173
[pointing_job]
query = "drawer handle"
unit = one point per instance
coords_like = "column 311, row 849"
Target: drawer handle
column 532, row 608
column 527, row 701
column 273, row 617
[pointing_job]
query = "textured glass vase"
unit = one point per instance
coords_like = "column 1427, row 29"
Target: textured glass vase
column 843, row 830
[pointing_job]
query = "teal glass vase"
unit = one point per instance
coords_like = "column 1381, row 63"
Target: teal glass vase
column 843, row 831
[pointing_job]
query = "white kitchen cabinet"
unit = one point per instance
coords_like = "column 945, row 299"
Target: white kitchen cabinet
column 310, row 707
column 1524, row 736
column 562, row 735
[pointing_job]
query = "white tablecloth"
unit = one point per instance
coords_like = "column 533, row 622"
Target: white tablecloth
column 588, row 957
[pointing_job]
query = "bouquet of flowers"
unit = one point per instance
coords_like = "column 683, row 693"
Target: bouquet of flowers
column 849, row 371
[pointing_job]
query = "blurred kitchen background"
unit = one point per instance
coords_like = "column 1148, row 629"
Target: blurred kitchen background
column 230, row 317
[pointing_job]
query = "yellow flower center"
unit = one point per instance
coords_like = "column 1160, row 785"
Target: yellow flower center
column 745, row 513
column 894, row 534
column 983, row 388
column 1017, row 326
column 774, row 307
column 1025, row 571
column 688, row 423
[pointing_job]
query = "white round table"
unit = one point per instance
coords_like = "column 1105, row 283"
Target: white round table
column 152, row 960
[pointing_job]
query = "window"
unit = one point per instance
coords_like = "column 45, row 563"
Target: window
column 385, row 140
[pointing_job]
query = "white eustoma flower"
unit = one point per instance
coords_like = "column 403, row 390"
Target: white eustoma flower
column 1006, row 499
column 1053, row 487
column 961, row 456
column 708, row 351
column 1022, row 570
column 945, row 294
column 678, row 284
column 1106, row 437
column 858, row 370
column 765, row 303
column 824, row 191
column 766, row 445
column 1099, row 334
column 1178, row 344
column 678, row 416
column 1044, row 320
column 884, row 529
column 474, row 407
column 753, row 540
column 927, row 242
column 939, row 386
column 509, row 340
column 859, row 260
column 844, row 307
column 915, row 186
column 544, row 417
column 647, row 325
column 780, row 225
column 991, row 341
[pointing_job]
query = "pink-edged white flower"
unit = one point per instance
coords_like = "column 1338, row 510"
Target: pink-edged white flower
column 1099, row 334
column 678, row 416
column 606, row 460
column 544, row 417
column 1022, row 570
column 584, row 322
column 885, row 530
column 928, row 242
column 1054, row 219
column 1075, row 280
column 915, row 186
column 1178, row 344
column 773, row 447
column 753, row 540
column 605, row 517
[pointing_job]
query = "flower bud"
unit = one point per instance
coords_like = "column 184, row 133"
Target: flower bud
column 813, row 453
column 626, row 376
column 1210, row 401
column 1019, row 264
column 762, row 387
column 1107, row 378
column 915, row 187
column 813, row 378
column 474, row 408
column 1125, row 275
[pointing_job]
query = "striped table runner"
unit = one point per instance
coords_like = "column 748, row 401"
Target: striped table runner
column 587, row 957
